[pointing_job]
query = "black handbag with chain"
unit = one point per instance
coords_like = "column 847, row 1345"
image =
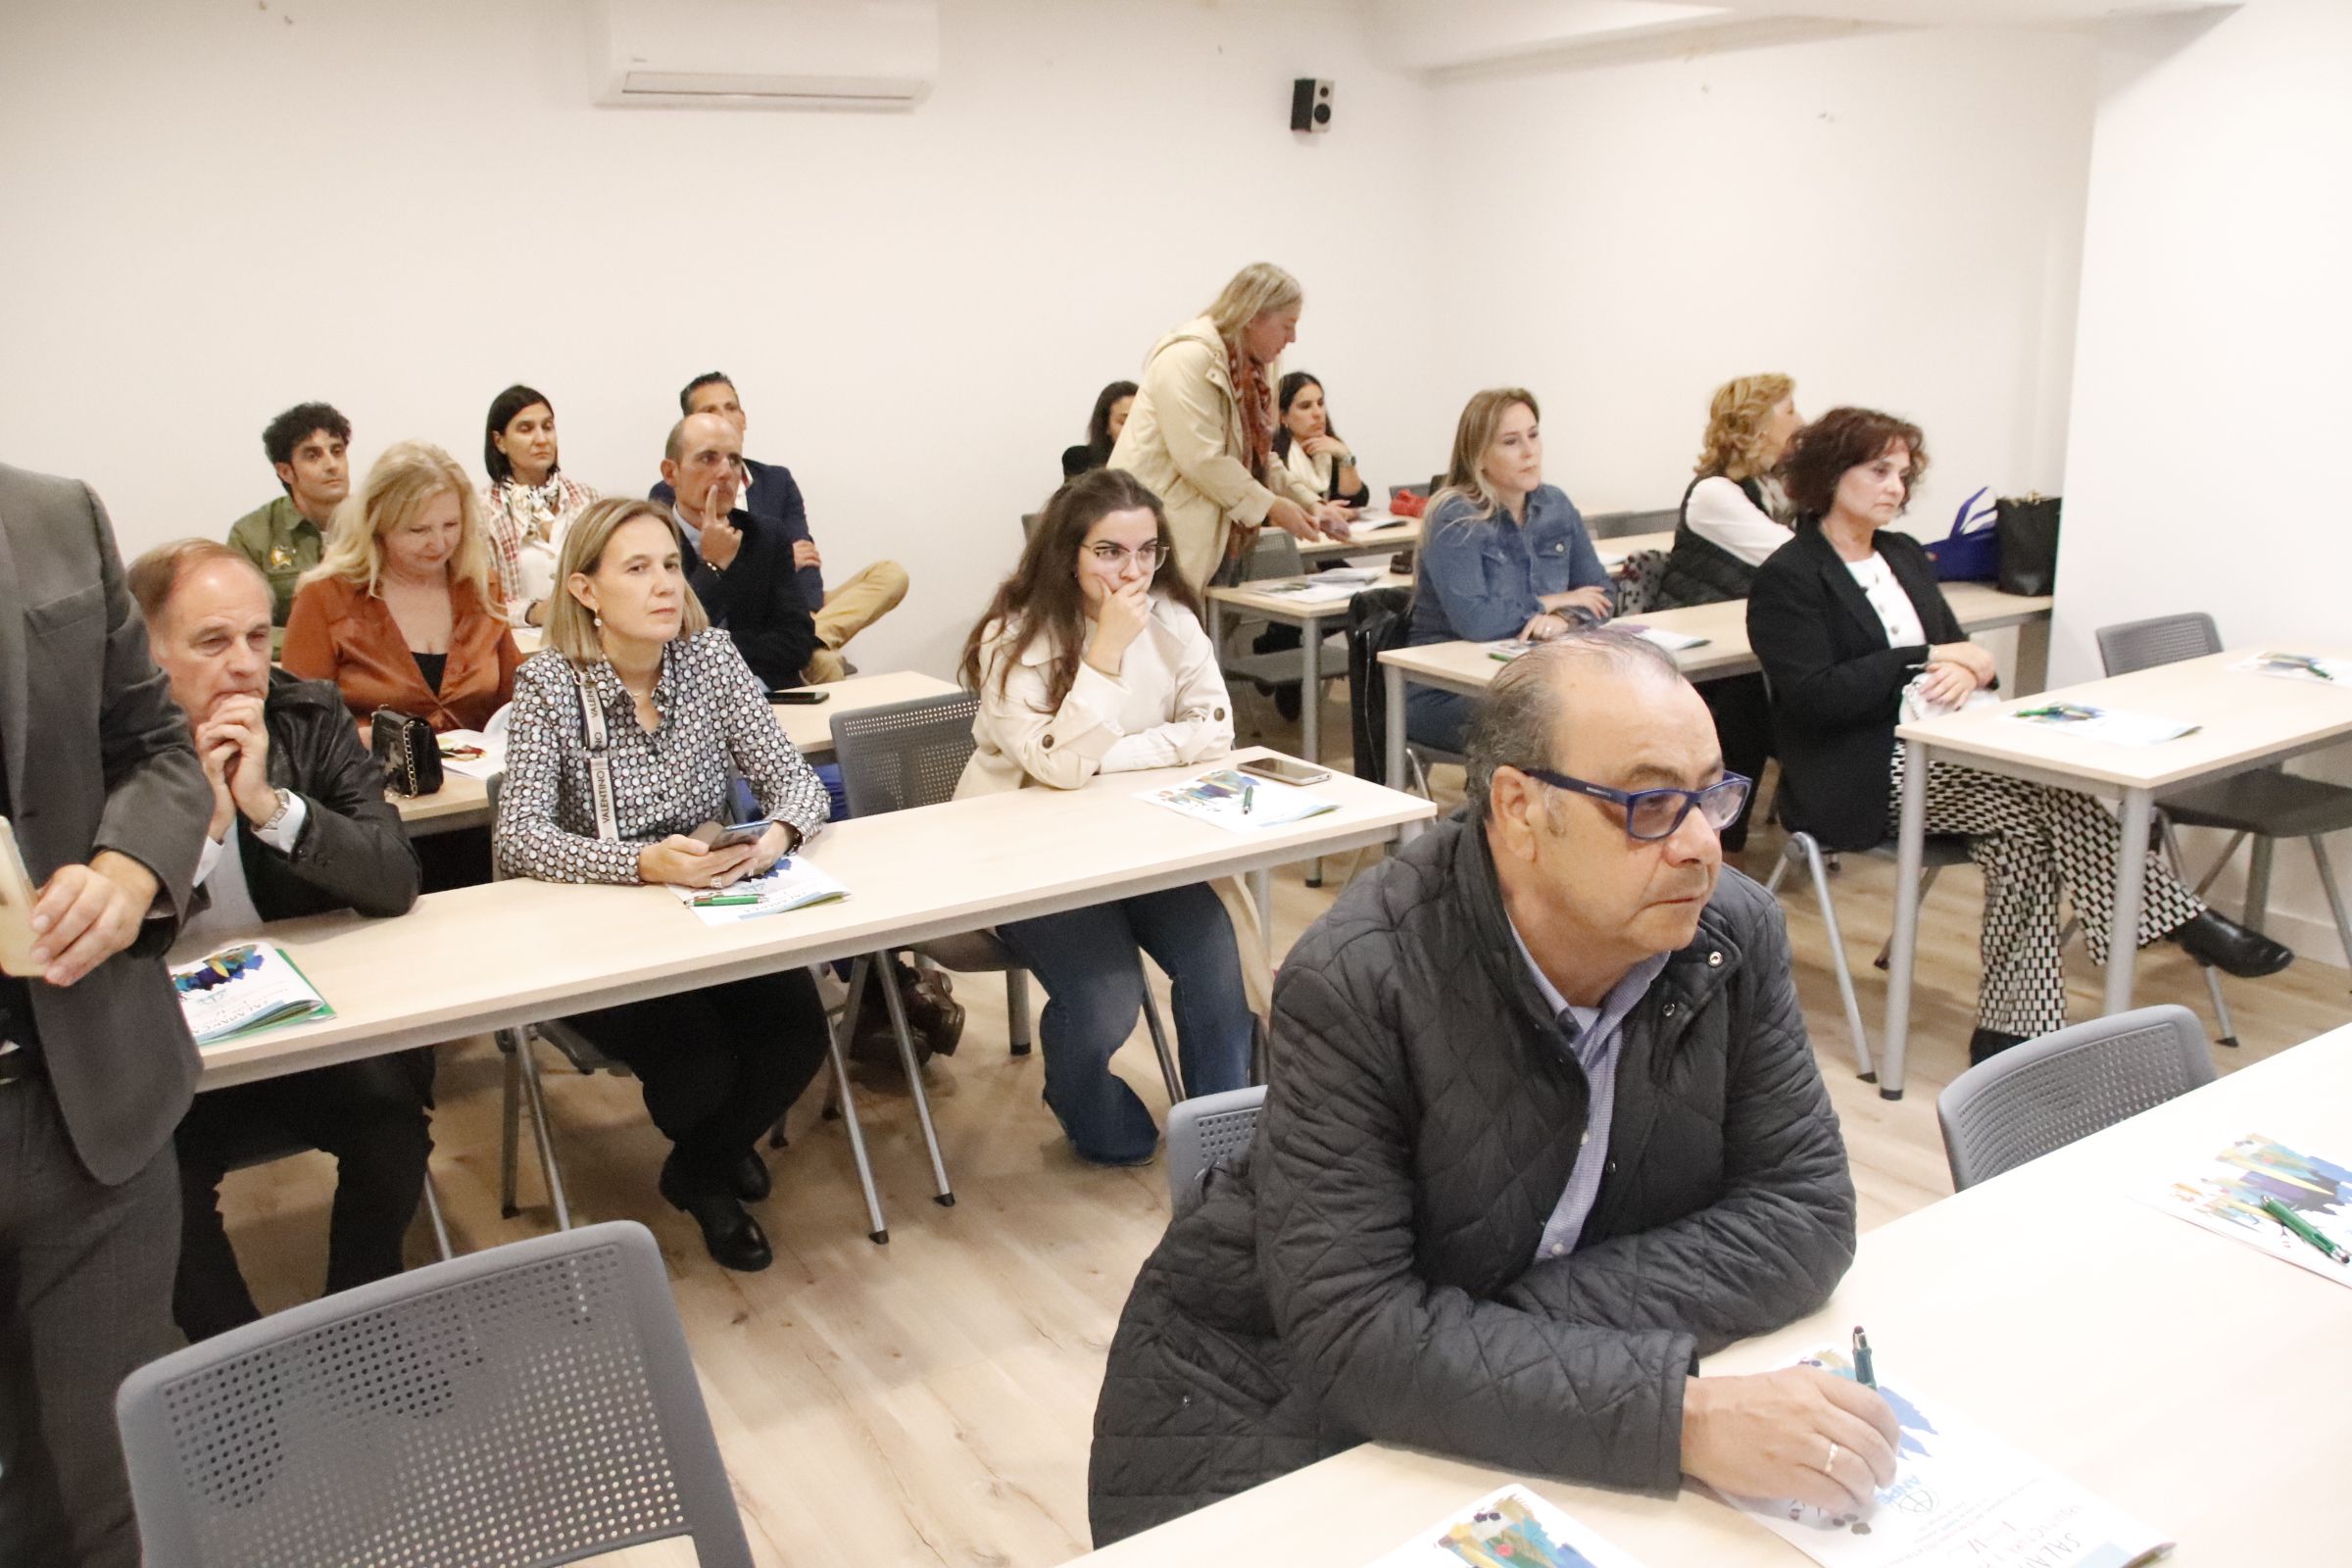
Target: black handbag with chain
column 2029, row 533
column 407, row 749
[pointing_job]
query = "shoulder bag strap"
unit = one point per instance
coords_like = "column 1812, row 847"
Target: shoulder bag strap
column 600, row 766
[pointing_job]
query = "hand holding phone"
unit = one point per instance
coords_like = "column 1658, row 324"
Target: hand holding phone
column 715, row 836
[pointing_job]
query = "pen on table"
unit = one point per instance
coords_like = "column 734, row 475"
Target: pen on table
column 2302, row 662
column 1864, row 1373
column 2297, row 1225
column 1248, row 798
column 723, row 900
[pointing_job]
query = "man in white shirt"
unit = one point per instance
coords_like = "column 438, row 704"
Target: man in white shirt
column 299, row 826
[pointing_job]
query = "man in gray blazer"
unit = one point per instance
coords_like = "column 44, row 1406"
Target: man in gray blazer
column 100, row 780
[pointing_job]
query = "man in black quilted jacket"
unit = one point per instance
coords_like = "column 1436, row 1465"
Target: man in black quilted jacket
column 1544, row 1129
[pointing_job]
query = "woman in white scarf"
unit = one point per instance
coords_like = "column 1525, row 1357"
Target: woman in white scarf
column 528, row 503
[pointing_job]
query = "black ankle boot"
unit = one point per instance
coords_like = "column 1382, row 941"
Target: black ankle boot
column 1987, row 1043
column 732, row 1237
column 2221, row 942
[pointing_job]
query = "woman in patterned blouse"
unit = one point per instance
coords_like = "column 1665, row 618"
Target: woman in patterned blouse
column 678, row 707
column 529, row 501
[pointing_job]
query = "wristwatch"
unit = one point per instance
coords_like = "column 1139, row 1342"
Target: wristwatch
column 285, row 804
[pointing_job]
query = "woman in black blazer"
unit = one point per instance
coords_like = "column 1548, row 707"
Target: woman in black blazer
column 1843, row 618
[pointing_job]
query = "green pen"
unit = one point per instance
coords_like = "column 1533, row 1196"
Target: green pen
column 1248, row 798
column 2299, row 1226
column 726, row 901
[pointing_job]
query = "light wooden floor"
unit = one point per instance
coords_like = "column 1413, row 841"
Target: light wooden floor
column 930, row 1401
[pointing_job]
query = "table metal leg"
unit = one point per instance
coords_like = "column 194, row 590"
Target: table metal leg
column 1310, row 712
column 1910, row 849
column 1393, row 680
column 2131, row 884
column 1262, row 888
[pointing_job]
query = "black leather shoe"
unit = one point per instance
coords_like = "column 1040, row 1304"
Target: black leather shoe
column 2216, row 940
column 732, row 1237
column 1986, row 1044
column 750, row 1179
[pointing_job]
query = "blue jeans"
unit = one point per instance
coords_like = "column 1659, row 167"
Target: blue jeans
column 1433, row 717
column 1088, row 962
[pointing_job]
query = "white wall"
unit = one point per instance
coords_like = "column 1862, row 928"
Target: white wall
column 1892, row 218
column 401, row 206
column 2206, row 469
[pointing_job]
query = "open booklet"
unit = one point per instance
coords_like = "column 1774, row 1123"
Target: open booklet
column 1674, row 642
column 792, row 883
column 2308, row 667
column 242, row 990
column 1238, row 803
column 1375, row 522
column 2226, row 1196
column 1321, row 588
column 471, row 753
column 1512, row 1527
column 2104, row 723
column 1961, row 1498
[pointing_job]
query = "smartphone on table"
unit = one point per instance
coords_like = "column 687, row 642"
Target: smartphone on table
column 799, row 696
column 1285, row 770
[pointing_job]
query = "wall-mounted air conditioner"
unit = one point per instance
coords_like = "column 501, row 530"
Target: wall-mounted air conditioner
column 764, row 54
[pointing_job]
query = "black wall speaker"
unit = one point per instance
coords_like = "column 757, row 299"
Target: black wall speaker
column 1310, row 104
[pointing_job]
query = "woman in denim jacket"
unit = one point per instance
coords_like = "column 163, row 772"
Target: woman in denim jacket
column 1503, row 555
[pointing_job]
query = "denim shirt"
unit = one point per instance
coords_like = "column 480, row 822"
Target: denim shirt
column 1480, row 579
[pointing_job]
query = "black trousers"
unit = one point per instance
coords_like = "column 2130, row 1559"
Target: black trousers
column 85, row 1292
column 371, row 1115
column 718, row 1066
column 1743, row 728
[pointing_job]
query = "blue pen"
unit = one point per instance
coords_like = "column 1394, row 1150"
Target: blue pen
column 1864, row 1373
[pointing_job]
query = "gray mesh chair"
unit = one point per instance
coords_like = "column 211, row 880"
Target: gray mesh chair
column 2266, row 805
column 2046, row 1092
column 897, row 756
column 1205, row 1134
column 1274, row 554
column 529, row 1404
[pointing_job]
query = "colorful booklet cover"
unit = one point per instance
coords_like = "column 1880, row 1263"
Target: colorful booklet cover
column 2104, row 723
column 1961, row 1498
column 1239, row 803
column 471, row 753
column 1512, row 1527
column 792, row 883
column 2301, row 666
column 2225, row 1196
column 242, row 990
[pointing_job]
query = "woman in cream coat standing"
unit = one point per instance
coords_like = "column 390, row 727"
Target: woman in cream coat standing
column 1092, row 660
column 1201, row 435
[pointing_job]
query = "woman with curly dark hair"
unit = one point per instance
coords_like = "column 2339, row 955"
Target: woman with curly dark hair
column 1853, row 633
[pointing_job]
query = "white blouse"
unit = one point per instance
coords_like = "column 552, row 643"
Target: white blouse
column 1897, row 614
column 1167, row 705
column 1720, row 514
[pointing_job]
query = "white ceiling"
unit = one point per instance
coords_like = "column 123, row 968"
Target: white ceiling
column 1450, row 35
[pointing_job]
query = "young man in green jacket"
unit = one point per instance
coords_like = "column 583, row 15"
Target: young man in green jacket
column 306, row 446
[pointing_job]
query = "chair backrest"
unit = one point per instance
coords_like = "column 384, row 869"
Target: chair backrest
column 1617, row 525
column 903, row 754
column 533, row 1403
column 1274, row 554
column 1029, row 522
column 1377, row 619
column 1205, row 1134
column 2161, row 640
column 2046, row 1092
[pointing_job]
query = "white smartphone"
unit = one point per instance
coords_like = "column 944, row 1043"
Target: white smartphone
column 1285, row 770
column 16, row 896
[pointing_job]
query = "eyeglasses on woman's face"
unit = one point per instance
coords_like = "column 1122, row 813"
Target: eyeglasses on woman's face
column 1111, row 557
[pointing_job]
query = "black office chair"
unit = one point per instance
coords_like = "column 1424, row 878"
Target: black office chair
column 1379, row 620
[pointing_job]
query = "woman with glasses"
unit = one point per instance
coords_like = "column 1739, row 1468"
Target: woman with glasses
column 1853, row 633
column 1092, row 660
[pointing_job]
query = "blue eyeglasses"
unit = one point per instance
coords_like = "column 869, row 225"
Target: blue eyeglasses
column 1653, row 814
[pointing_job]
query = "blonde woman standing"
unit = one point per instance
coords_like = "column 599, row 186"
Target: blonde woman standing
column 402, row 610
column 1201, row 435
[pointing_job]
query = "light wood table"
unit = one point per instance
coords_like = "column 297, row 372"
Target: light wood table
column 2179, row 1375
column 462, row 802
column 1403, row 534
column 1266, row 598
column 2245, row 722
column 1469, row 667
column 480, row 958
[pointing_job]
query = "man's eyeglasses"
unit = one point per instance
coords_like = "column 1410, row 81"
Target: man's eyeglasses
column 1114, row 556
column 1653, row 814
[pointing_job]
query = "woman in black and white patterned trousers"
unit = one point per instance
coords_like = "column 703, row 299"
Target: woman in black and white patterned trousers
column 631, row 654
column 1843, row 618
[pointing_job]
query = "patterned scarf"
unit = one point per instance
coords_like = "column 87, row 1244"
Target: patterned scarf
column 1253, row 391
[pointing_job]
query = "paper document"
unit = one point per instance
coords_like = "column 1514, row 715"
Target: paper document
column 2225, row 1195
column 2301, row 666
column 1674, row 642
column 471, row 753
column 1375, row 522
column 1323, row 588
column 1239, row 803
column 1512, row 1527
column 1508, row 649
column 2110, row 724
column 792, row 883
column 1961, row 1498
column 242, row 990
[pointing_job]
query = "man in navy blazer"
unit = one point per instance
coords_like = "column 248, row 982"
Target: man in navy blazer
column 740, row 566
